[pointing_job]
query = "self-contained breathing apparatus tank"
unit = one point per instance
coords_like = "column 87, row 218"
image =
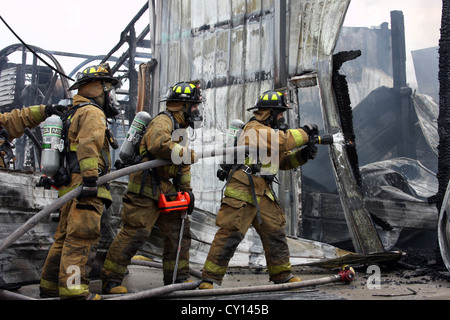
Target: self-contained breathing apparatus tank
column 52, row 145
column 231, row 139
column 130, row 144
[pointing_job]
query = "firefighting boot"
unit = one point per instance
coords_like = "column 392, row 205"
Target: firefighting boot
column 206, row 285
column 93, row 296
column 111, row 287
column 294, row 279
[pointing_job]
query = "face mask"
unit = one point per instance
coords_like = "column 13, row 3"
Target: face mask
column 282, row 125
column 112, row 105
column 194, row 119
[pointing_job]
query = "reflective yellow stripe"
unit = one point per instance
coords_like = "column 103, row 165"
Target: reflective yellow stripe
column 78, row 290
column 89, row 163
column 170, row 265
column 294, row 162
column 240, row 195
column 269, row 169
column 66, row 190
column 36, row 113
column 73, row 147
column 171, row 170
column 270, row 195
column 142, row 151
column 49, row 285
column 148, row 191
column 214, row 268
column 102, row 192
column 297, row 137
column 115, row 267
column 278, row 269
column 185, row 178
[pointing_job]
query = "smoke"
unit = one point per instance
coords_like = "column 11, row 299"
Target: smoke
column 422, row 23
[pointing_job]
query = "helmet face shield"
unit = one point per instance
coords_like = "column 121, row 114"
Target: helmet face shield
column 113, row 98
column 194, row 117
column 112, row 105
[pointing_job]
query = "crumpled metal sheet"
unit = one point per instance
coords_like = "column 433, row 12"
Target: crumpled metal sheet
column 427, row 111
column 444, row 229
column 396, row 192
column 20, row 199
column 249, row 253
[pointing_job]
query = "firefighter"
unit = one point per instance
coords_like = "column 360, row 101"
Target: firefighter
column 14, row 123
column 162, row 140
column 248, row 197
column 87, row 155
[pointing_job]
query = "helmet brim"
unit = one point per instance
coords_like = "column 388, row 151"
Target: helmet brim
column 77, row 84
column 181, row 100
column 269, row 107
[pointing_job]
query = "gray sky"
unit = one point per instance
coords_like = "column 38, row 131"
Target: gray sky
column 93, row 26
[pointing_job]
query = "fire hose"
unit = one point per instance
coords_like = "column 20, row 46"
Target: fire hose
column 44, row 213
column 346, row 275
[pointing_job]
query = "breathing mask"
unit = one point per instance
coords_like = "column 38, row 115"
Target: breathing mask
column 112, row 105
column 193, row 117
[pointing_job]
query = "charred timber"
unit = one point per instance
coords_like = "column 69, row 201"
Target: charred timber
column 340, row 86
column 443, row 174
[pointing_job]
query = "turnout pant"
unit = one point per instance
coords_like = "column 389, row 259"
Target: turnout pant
column 70, row 258
column 139, row 216
column 233, row 219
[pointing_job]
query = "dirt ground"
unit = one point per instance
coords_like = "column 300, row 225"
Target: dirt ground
column 419, row 275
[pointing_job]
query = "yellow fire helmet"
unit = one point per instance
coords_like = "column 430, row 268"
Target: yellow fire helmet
column 185, row 92
column 272, row 99
column 100, row 72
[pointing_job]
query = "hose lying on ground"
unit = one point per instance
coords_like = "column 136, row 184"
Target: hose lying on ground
column 44, row 213
column 184, row 290
column 158, row 291
column 8, row 295
column 343, row 276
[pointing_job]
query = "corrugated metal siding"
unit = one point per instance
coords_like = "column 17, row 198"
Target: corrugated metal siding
column 229, row 45
column 7, row 86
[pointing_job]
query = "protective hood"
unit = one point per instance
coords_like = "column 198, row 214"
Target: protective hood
column 262, row 114
column 91, row 89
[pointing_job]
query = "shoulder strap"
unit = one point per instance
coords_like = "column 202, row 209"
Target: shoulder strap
column 175, row 124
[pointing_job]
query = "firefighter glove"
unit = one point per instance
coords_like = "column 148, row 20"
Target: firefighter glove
column 51, row 110
column 309, row 152
column 311, row 130
column 88, row 188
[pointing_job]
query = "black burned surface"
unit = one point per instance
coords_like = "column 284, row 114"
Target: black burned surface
column 424, row 263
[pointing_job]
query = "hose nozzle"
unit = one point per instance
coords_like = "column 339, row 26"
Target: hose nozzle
column 324, row 139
